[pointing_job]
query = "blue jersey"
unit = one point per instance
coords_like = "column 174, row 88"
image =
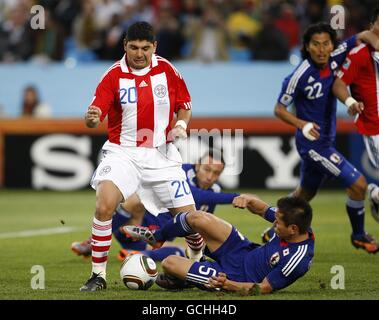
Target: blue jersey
column 206, row 200
column 309, row 89
column 280, row 262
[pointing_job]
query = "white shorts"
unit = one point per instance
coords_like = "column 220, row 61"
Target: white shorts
column 372, row 147
column 156, row 175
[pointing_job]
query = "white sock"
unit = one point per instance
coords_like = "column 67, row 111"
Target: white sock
column 101, row 242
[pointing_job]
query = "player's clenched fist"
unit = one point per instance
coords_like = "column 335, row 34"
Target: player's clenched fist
column 217, row 282
column 243, row 200
column 92, row 117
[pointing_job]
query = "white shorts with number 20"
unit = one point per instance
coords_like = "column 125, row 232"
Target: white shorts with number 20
column 156, row 175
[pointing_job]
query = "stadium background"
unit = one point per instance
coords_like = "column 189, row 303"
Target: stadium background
column 233, row 55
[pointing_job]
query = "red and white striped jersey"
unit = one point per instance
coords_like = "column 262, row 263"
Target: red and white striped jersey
column 361, row 72
column 140, row 104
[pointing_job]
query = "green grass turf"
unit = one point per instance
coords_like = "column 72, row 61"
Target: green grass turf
column 65, row 272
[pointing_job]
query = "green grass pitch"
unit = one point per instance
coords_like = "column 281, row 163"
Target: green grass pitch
column 24, row 211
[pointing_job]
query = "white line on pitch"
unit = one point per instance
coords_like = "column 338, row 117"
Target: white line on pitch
column 37, row 232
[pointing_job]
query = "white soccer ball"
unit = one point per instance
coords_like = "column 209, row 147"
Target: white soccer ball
column 138, row 272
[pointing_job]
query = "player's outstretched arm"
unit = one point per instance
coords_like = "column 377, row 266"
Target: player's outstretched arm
column 248, row 288
column 252, row 203
column 341, row 92
column 368, row 37
column 92, row 117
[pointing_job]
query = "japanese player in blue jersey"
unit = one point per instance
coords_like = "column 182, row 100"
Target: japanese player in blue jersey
column 202, row 180
column 239, row 265
column 309, row 89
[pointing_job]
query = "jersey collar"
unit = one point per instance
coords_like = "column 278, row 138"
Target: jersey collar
column 126, row 69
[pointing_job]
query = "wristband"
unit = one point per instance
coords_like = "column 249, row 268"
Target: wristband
column 181, row 123
column 306, row 129
column 350, row 101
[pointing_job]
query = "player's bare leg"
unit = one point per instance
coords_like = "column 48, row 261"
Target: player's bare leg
column 304, row 193
column 135, row 208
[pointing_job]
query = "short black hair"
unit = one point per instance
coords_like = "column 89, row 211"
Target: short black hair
column 140, row 31
column 214, row 154
column 296, row 211
column 374, row 15
column 319, row 27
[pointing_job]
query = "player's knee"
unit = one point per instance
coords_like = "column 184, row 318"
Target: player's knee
column 359, row 188
column 104, row 209
column 169, row 264
column 198, row 219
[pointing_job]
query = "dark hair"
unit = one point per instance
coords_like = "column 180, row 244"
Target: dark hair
column 374, row 15
column 140, row 31
column 296, row 211
column 317, row 28
column 213, row 153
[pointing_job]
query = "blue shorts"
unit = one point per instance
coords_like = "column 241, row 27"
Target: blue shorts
column 229, row 258
column 323, row 163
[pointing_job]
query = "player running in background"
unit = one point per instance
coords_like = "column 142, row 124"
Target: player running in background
column 140, row 95
column 202, row 179
column 309, row 89
column 239, row 265
column 360, row 71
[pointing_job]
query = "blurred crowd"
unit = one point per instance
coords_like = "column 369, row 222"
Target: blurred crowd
column 207, row 30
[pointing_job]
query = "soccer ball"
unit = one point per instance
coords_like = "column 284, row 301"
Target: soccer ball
column 138, row 272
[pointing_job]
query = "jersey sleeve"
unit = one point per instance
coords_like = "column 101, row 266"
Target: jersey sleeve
column 349, row 69
column 183, row 98
column 104, row 95
column 339, row 54
column 284, row 274
column 289, row 90
column 270, row 214
column 210, row 197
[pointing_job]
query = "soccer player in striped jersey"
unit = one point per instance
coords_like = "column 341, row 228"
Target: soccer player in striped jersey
column 202, row 178
column 309, row 89
column 140, row 94
column 240, row 265
column 360, row 71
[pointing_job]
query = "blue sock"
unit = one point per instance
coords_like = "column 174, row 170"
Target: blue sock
column 176, row 227
column 356, row 211
column 164, row 252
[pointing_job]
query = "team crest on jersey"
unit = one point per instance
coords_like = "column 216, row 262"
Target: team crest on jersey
column 286, row 99
column 160, row 91
column 346, row 64
column 333, row 65
column 274, row 259
column 105, row 170
column 335, row 158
